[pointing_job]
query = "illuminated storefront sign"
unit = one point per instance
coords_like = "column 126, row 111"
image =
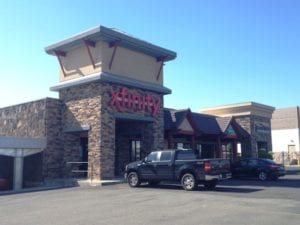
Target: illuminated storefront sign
column 124, row 99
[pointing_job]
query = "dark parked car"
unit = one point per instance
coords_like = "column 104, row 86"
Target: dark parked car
column 262, row 169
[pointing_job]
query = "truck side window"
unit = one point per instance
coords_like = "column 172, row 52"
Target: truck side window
column 165, row 156
column 152, row 157
column 186, row 155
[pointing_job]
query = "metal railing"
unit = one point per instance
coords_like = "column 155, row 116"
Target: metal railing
column 77, row 170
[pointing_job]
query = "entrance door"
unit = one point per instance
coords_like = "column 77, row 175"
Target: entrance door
column 135, row 149
column 84, row 155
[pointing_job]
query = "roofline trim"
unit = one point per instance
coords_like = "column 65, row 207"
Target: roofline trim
column 243, row 104
column 110, row 35
column 111, row 78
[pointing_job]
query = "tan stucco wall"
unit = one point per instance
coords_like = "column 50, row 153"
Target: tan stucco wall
column 126, row 63
column 240, row 110
column 78, row 64
column 131, row 64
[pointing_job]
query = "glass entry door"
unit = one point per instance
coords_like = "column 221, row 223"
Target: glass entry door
column 135, row 149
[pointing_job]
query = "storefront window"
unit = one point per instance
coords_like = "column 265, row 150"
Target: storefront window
column 199, row 149
column 262, row 146
column 135, row 150
column 239, row 150
column 227, row 151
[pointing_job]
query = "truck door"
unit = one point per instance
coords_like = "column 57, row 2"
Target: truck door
column 147, row 167
column 163, row 166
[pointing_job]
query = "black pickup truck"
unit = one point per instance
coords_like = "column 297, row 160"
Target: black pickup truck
column 177, row 165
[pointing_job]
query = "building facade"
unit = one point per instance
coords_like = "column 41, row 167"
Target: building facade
column 111, row 111
column 254, row 119
column 286, row 135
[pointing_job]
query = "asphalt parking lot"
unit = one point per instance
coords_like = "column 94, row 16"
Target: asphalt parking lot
column 232, row 202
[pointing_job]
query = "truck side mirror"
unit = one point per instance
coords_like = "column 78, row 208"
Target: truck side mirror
column 146, row 160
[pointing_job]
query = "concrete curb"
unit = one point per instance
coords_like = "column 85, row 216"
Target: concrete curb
column 64, row 183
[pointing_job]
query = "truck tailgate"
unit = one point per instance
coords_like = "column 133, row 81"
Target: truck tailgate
column 219, row 166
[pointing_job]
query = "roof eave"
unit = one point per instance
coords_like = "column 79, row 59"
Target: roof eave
column 111, row 35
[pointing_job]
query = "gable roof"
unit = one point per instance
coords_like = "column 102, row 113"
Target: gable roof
column 173, row 117
column 223, row 123
column 202, row 123
column 206, row 124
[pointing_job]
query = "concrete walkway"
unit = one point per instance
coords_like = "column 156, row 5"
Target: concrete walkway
column 63, row 183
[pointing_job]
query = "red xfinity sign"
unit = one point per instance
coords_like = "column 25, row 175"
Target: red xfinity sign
column 123, row 98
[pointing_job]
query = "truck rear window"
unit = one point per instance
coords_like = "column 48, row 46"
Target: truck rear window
column 186, row 155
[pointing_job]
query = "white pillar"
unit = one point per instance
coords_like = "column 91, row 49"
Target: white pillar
column 18, row 169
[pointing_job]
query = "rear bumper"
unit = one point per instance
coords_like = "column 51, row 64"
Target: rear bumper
column 222, row 176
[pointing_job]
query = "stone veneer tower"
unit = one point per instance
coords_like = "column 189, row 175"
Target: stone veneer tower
column 111, row 87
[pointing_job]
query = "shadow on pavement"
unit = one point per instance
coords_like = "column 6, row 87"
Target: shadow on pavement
column 287, row 182
column 202, row 188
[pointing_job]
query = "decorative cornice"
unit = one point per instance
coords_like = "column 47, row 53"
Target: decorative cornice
column 111, row 78
column 111, row 35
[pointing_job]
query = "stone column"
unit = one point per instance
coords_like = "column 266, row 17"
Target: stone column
column 18, row 168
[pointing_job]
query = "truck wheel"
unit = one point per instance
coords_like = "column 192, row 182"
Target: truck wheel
column 188, row 182
column 133, row 179
column 210, row 184
column 262, row 175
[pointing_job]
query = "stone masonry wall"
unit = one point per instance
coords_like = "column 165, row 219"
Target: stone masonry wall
column 53, row 154
column 37, row 119
column 152, row 133
column 260, row 136
column 245, row 125
column 82, row 107
column 252, row 136
column 24, row 120
column 90, row 104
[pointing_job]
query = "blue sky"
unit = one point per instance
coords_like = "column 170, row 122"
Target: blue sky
column 229, row 51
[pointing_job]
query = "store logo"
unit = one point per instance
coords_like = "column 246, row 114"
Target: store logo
column 262, row 128
column 124, row 99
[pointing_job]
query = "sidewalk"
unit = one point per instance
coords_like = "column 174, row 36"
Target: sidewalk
column 64, row 183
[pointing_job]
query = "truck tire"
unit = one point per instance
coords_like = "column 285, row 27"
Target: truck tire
column 133, row 179
column 210, row 184
column 188, row 182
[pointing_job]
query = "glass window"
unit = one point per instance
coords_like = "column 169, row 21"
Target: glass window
column 165, row 156
column 262, row 146
column 252, row 162
column 186, row 155
column 226, row 151
column 135, row 150
column 152, row 157
column 199, row 149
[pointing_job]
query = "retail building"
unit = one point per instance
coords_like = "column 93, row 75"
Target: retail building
column 110, row 111
column 286, row 135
